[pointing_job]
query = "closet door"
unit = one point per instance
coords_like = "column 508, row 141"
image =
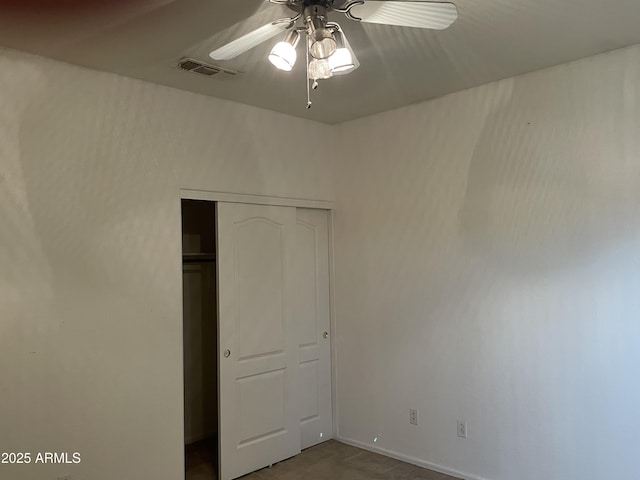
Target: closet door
column 313, row 323
column 258, row 345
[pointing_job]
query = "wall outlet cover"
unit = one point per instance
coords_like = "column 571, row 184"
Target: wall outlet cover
column 413, row 416
column 462, row 429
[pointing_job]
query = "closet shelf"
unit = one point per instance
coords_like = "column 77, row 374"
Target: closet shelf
column 198, row 257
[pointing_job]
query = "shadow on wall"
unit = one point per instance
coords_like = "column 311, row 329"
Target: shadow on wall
column 26, row 272
column 102, row 162
column 551, row 183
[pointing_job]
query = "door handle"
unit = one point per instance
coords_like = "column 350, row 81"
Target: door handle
column 227, row 353
column 325, row 334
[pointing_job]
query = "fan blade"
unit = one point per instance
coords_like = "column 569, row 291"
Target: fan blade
column 435, row 15
column 250, row 40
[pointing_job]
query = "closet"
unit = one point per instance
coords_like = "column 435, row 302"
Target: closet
column 272, row 332
column 200, row 332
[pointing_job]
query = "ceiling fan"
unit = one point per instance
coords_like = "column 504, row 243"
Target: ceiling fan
column 327, row 49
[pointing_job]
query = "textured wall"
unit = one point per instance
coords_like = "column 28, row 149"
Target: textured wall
column 90, row 254
column 488, row 269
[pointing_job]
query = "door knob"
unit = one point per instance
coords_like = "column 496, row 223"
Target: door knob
column 227, row 353
column 325, row 334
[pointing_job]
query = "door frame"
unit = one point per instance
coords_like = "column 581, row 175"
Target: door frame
column 230, row 197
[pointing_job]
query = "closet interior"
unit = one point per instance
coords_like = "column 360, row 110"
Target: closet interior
column 200, row 339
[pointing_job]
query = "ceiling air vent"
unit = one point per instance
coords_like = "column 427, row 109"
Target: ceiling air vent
column 194, row 66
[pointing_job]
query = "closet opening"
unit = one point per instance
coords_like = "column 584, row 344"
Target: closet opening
column 200, row 342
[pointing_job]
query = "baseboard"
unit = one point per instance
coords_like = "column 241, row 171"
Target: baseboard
column 409, row 459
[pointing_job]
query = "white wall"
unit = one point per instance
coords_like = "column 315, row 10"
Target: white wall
column 90, row 254
column 488, row 269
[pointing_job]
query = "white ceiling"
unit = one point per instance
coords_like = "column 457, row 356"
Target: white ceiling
column 492, row 39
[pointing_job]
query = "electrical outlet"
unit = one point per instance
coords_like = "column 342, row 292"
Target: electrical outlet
column 462, row 428
column 413, row 416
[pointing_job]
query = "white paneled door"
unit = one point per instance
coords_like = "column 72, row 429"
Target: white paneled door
column 258, row 340
column 313, row 326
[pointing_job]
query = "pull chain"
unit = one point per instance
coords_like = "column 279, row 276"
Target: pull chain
column 308, row 79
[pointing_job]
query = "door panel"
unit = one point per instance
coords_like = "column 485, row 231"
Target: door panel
column 259, row 276
column 258, row 349
column 261, row 399
column 313, row 320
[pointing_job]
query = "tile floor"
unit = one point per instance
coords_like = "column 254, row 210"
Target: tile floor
column 330, row 460
column 201, row 459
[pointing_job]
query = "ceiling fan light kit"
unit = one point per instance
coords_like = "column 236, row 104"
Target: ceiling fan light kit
column 321, row 42
column 319, row 69
column 342, row 61
column 328, row 52
column 283, row 55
